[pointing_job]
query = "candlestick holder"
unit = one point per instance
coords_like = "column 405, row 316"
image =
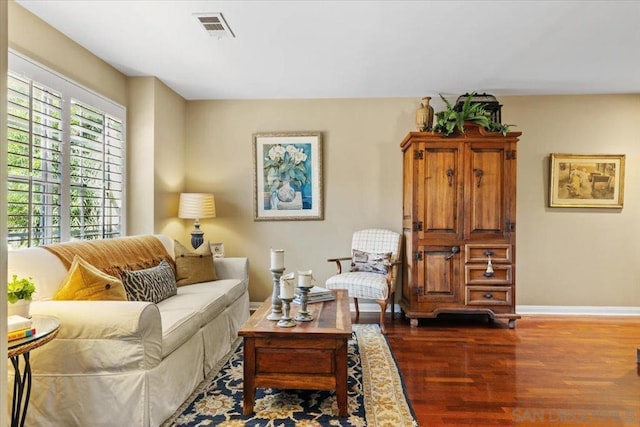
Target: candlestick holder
column 276, row 303
column 303, row 315
column 286, row 321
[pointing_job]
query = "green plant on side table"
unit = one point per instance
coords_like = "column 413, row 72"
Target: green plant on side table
column 18, row 289
column 450, row 120
column 19, row 293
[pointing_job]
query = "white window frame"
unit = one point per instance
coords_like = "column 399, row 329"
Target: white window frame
column 71, row 90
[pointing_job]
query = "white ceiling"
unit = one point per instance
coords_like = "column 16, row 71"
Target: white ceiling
column 362, row 49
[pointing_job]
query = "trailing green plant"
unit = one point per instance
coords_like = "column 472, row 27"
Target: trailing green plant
column 18, row 289
column 451, row 120
column 498, row 127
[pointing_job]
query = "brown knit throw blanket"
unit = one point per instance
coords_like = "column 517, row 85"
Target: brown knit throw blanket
column 113, row 256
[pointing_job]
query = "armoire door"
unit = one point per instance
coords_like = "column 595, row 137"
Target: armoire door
column 439, row 191
column 490, row 178
column 438, row 274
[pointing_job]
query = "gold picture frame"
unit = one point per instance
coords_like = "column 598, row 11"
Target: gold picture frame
column 586, row 180
column 287, row 182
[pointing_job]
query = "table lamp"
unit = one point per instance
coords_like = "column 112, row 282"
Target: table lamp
column 197, row 206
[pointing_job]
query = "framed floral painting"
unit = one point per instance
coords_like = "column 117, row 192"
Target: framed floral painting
column 287, row 176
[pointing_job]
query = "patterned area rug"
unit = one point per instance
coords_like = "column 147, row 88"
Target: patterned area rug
column 376, row 394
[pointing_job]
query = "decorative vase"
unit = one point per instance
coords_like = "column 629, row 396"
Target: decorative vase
column 286, row 193
column 20, row 308
column 424, row 115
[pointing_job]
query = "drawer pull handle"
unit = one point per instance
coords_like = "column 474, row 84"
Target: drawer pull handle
column 488, row 295
column 489, row 271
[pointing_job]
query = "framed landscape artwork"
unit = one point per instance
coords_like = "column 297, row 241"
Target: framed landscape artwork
column 287, row 176
column 587, row 181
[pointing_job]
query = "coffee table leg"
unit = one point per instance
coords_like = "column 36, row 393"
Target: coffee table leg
column 341, row 377
column 248, row 384
column 247, row 402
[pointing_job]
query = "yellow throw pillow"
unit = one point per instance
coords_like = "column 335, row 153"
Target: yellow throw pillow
column 86, row 282
column 194, row 267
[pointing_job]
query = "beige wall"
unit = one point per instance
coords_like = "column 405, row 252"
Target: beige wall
column 155, row 120
column 170, row 110
column 565, row 256
column 362, row 176
column 574, row 256
column 140, row 155
column 41, row 42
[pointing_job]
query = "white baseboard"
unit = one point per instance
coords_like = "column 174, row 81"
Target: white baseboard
column 578, row 310
column 365, row 307
column 561, row 310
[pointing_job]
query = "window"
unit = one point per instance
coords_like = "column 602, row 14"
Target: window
column 65, row 159
column 96, row 173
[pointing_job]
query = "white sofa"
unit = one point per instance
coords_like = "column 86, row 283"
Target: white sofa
column 121, row 363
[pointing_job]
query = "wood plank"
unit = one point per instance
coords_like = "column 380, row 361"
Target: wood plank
column 550, row 370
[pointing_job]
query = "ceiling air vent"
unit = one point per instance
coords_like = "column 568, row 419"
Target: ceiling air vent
column 214, row 24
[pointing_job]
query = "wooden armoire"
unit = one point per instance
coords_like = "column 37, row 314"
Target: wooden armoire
column 459, row 208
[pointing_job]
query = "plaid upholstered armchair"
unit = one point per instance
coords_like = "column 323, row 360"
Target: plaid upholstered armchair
column 375, row 257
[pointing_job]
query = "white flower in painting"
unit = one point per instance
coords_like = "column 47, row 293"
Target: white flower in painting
column 299, row 157
column 291, row 149
column 276, row 153
column 285, row 163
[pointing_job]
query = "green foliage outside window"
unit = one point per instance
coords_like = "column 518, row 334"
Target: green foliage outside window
column 34, row 162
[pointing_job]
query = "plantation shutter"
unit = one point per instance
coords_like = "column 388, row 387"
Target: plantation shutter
column 66, row 159
column 34, row 142
column 96, row 173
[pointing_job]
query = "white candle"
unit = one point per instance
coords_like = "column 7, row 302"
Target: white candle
column 277, row 259
column 286, row 289
column 304, row 279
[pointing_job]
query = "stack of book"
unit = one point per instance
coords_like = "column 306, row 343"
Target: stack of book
column 19, row 327
column 316, row 294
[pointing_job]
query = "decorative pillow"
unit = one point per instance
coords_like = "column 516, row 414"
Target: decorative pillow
column 86, row 282
column 151, row 284
column 370, row 262
column 194, row 267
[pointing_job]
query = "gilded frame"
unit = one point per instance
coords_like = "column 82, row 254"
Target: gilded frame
column 586, row 180
column 287, row 176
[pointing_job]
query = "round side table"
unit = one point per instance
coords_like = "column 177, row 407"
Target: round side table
column 46, row 330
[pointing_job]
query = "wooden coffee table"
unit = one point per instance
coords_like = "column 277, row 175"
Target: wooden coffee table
column 309, row 356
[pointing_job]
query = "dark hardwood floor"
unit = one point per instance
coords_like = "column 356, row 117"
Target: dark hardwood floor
column 548, row 371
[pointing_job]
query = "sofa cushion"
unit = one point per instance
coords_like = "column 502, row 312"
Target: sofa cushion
column 194, row 267
column 179, row 325
column 207, row 301
column 85, row 282
column 232, row 289
column 195, row 306
column 150, row 284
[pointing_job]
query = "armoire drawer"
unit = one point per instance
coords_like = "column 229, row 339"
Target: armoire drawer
column 500, row 253
column 476, row 274
column 488, row 295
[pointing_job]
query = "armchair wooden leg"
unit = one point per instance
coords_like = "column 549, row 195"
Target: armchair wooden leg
column 383, row 309
column 355, row 302
column 393, row 305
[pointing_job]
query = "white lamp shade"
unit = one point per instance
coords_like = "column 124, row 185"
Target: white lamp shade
column 197, row 206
